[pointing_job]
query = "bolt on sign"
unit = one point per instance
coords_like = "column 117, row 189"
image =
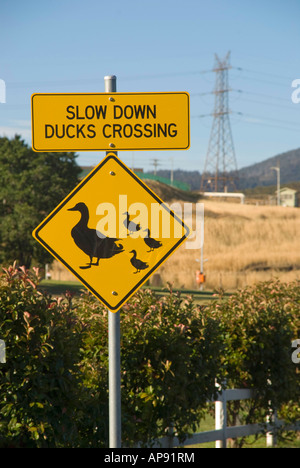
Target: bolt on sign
column 116, row 121
column 112, row 232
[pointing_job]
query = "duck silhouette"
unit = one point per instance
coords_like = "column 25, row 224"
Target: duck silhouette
column 93, row 243
column 138, row 264
column 130, row 225
column 152, row 243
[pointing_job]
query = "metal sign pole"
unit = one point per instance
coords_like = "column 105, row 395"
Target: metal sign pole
column 114, row 354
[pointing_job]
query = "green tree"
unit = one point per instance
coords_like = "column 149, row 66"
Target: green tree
column 31, row 186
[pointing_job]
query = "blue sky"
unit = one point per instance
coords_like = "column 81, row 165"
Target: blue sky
column 159, row 45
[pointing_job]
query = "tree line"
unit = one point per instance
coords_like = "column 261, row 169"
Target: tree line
column 31, row 185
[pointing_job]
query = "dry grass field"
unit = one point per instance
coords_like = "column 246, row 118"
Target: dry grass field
column 243, row 244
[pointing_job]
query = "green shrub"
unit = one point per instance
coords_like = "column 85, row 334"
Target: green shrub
column 39, row 384
column 259, row 324
column 54, row 384
column 170, row 357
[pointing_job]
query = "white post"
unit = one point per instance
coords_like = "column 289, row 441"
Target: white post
column 271, row 436
column 221, row 419
column 277, row 169
column 201, row 265
column 2, row 352
column 114, row 352
column 172, row 172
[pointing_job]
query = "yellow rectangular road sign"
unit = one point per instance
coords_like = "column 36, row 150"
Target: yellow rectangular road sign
column 112, row 232
column 110, row 121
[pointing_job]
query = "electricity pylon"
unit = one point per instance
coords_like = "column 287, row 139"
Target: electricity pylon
column 220, row 169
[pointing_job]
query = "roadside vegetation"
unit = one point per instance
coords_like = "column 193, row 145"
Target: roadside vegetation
column 53, row 386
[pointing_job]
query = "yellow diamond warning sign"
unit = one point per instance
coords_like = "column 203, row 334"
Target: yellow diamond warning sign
column 117, row 121
column 112, row 232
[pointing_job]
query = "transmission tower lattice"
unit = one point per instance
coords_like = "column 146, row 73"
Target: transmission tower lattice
column 220, row 169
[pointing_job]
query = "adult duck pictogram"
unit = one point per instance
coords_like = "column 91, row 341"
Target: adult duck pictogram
column 92, row 242
column 152, row 243
column 130, row 225
column 138, row 264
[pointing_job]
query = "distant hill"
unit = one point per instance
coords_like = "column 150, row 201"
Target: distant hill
column 256, row 175
column 191, row 178
column 170, row 194
column 259, row 174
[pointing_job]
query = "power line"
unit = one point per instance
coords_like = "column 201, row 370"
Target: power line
column 265, row 73
column 274, row 83
column 257, row 117
column 242, row 91
column 257, row 121
column 156, row 163
column 21, row 84
column 273, row 104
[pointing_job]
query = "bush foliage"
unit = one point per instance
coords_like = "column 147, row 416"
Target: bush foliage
column 39, row 384
column 259, row 323
column 54, row 384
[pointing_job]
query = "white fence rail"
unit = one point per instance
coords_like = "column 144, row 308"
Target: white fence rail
column 222, row 432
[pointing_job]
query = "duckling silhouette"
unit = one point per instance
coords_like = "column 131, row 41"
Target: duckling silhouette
column 152, row 243
column 93, row 243
column 138, row 264
column 130, row 225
